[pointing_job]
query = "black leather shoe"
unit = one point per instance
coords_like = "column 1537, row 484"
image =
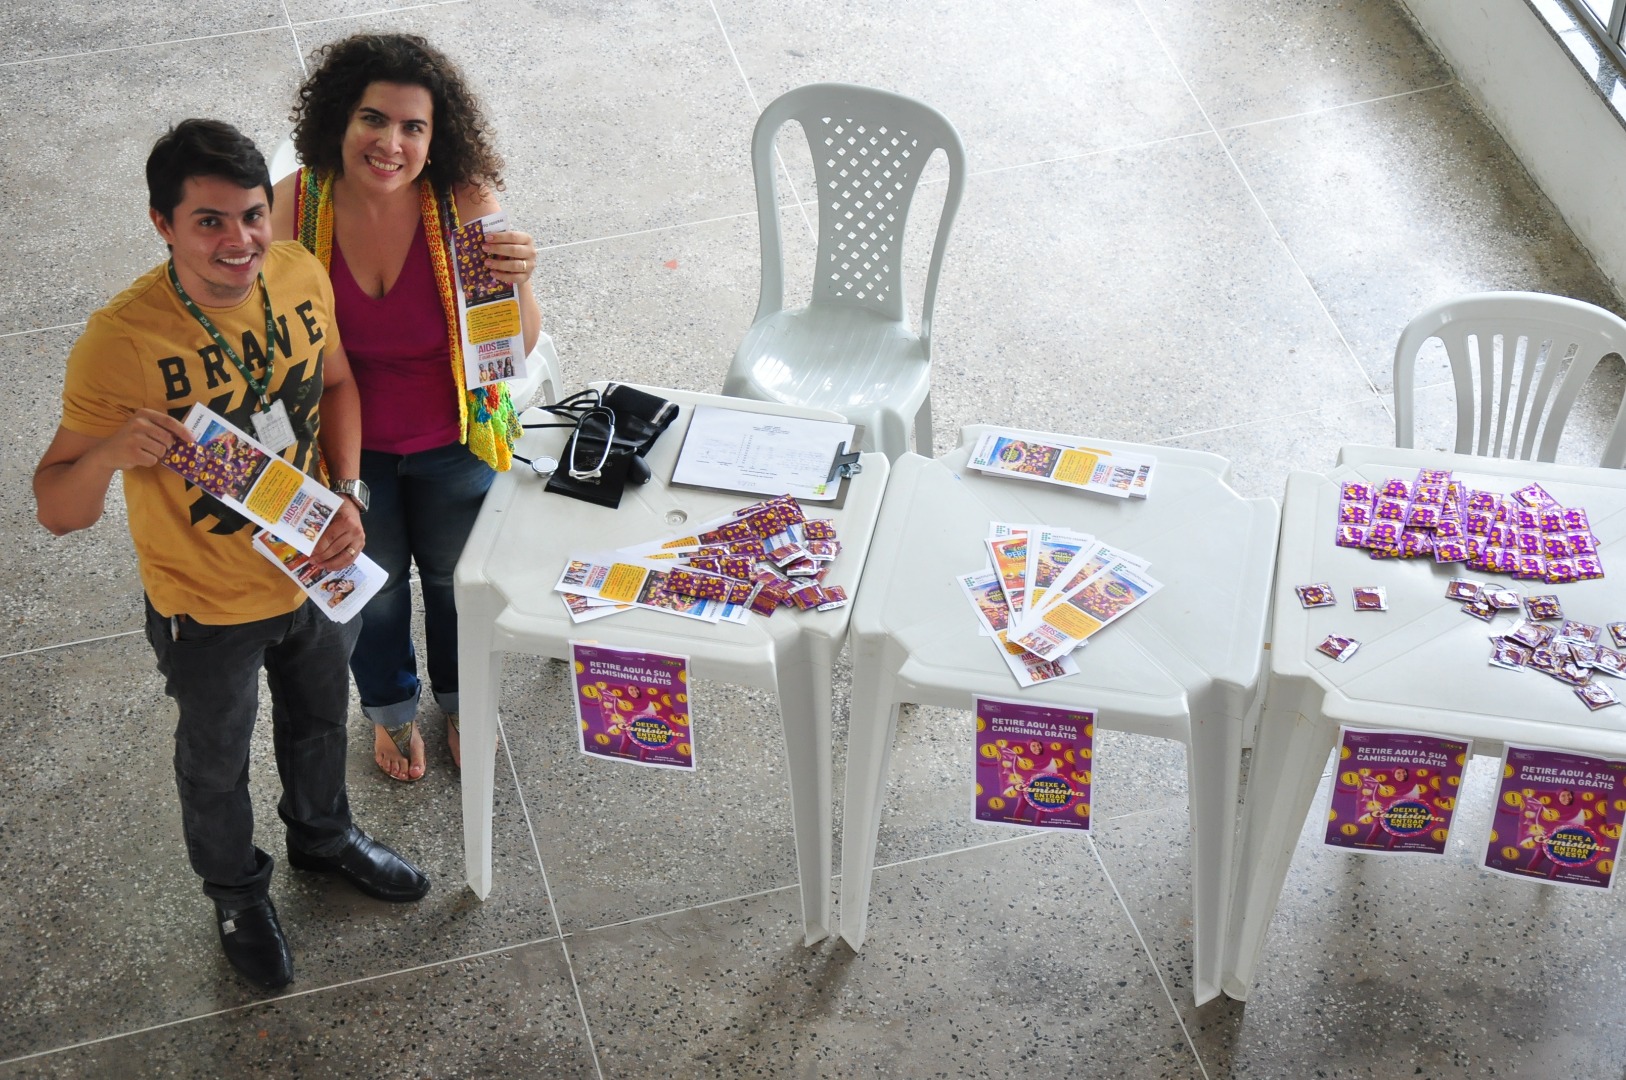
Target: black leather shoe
column 253, row 942
column 369, row 866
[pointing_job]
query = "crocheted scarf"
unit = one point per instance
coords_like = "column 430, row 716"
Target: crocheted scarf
column 487, row 423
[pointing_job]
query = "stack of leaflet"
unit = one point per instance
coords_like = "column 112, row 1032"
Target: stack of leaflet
column 1065, row 463
column 760, row 558
column 1047, row 591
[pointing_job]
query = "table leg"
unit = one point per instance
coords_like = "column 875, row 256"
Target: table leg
column 480, row 674
column 872, row 724
column 1213, row 762
column 1289, row 752
column 803, row 674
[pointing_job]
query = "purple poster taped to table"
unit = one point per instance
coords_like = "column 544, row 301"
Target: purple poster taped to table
column 633, row 706
column 1033, row 765
column 1394, row 792
column 1558, row 817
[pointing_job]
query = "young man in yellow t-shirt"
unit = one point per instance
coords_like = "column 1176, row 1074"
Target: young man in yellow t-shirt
column 246, row 327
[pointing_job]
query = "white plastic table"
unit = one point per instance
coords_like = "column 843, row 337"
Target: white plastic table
column 1184, row 666
column 1422, row 664
column 506, row 603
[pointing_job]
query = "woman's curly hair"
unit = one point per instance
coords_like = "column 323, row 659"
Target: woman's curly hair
column 460, row 149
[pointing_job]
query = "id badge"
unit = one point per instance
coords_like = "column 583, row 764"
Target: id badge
column 274, row 429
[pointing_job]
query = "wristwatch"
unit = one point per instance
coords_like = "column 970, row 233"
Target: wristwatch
column 356, row 489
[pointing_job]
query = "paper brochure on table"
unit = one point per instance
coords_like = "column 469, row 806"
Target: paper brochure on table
column 1009, row 557
column 1093, row 604
column 761, row 453
column 582, row 609
column 1558, row 817
column 1050, row 556
column 1033, row 765
column 238, row 470
column 488, row 309
column 1064, row 462
column 982, row 590
column 338, row 594
column 634, row 582
column 633, row 706
column 1394, row 792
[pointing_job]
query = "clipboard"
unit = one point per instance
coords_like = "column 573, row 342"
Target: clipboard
column 766, row 454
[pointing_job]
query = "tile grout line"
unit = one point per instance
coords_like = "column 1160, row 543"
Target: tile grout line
column 1336, row 108
column 289, row 24
column 293, row 35
column 67, row 644
column 553, row 908
column 250, row 1005
column 1157, row 968
column 1265, row 419
column 42, row 329
column 1257, row 202
column 646, row 232
column 756, row 107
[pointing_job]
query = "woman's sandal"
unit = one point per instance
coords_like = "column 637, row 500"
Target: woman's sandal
column 454, row 739
column 402, row 739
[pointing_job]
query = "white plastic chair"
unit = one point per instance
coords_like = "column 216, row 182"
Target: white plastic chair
column 1531, row 390
column 544, row 375
column 283, row 160
column 851, row 349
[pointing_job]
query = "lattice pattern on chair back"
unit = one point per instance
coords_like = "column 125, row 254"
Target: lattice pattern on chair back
column 866, row 173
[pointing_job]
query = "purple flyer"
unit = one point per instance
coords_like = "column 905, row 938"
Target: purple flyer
column 1558, row 817
column 1033, row 765
column 633, row 706
column 1394, row 792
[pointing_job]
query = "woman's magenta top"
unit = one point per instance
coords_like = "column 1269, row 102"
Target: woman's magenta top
column 399, row 355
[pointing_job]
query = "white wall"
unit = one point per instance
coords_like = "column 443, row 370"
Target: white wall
column 1548, row 112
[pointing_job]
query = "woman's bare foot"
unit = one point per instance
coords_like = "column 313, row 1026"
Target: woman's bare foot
column 394, row 763
column 454, row 739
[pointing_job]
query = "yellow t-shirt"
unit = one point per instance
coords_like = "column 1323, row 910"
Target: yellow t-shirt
column 145, row 350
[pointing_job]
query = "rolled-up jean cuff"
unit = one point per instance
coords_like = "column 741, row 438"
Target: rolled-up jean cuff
column 395, row 716
column 447, row 702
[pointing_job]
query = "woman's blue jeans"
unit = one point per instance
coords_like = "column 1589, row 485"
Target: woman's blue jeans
column 423, row 507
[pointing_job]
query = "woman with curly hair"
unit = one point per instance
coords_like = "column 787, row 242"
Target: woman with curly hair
column 396, row 155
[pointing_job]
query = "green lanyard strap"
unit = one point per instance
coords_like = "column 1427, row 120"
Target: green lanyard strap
column 258, row 386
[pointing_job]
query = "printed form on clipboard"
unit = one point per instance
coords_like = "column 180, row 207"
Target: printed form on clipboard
column 762, row 453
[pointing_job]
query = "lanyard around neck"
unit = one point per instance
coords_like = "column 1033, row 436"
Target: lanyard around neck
column 259, row 386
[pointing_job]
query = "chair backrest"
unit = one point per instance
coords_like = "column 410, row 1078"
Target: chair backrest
column 869, row 148
column 283, row 160
column 1531, row 352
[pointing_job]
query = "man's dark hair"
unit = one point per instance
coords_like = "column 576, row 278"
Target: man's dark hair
column 202, row 148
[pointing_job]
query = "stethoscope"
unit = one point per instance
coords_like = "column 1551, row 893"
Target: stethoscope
column 573, row 408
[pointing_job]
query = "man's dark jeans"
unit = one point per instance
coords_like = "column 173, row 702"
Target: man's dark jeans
column 213, row 672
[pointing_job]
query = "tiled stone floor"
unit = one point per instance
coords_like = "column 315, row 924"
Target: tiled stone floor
column 1195, row 222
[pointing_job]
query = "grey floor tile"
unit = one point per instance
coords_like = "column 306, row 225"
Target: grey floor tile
column 927, row 805
column 1105, row 82
column 620, row 842
column 1147, row 283
column 667, row 308
column 592, row 152
column 1372, row 202
column 511, row 1013
column 1498, row 977
column 31, row 31
column 80, row 250
column 1250, row 61
column 103, row 903
column 1263, row 452
column 53, row 589
column 986, row 963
